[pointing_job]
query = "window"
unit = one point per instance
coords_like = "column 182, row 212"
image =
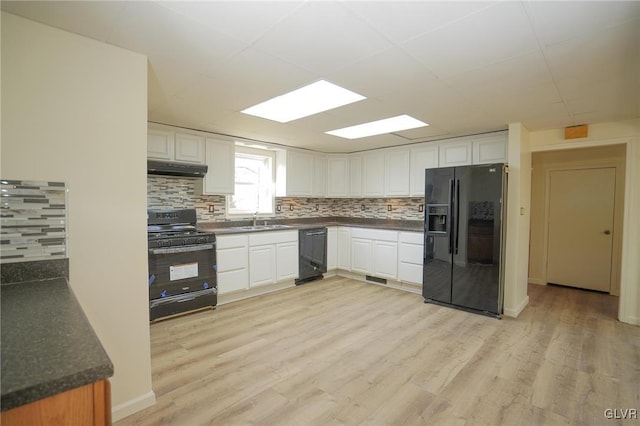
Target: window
column 254, row 183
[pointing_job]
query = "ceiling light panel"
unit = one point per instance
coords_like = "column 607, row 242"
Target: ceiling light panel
column 379, row 127
column 308, row 100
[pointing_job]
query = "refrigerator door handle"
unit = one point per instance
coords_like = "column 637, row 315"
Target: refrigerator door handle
column 450, row 214
column 457, row 186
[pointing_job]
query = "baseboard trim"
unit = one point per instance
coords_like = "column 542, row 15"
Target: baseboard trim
column 132, row 406
column 515, row 312
column 630, row 320
column 538, row 281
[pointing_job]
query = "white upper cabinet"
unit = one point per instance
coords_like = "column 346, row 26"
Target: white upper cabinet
column 455, row 154
column 397, row 167
column 220, row 158
column 338, row 176
column 355, row 175
column 491, row 149
column 189, row 148
column 319, row 176
column 164, row 143
column 422, row 158
column 294, row 174
column 373, row 174
column 160, row 144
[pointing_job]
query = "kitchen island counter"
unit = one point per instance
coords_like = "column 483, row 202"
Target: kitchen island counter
column 47, row 344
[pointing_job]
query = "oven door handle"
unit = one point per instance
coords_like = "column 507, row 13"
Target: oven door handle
column 181, row 249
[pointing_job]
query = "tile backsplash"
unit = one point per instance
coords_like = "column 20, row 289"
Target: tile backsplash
column 33, row 223
column 175, row 192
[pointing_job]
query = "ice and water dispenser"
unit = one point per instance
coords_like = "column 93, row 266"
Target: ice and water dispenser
column 437, row 218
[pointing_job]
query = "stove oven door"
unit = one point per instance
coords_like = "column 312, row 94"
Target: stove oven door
column 184, row 269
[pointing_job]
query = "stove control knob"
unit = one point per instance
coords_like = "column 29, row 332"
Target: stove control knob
column 202, row 240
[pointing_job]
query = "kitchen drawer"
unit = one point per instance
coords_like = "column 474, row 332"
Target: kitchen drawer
column 262, row 238
column 233, row 281
column 411, row 253
column 231, row 241
column 233, row 258
column 374, row 234
column 411, row 237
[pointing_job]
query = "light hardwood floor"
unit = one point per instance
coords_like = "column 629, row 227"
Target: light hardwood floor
column 343, row 352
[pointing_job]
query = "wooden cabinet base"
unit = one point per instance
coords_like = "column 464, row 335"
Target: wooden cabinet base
column 86, row 405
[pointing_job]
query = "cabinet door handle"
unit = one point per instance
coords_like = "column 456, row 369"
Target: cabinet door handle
column 607, row 232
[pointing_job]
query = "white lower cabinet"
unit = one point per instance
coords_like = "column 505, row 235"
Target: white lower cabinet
column 374, row 252
column 385, row 257
column 361, row 255
column 273, row 257
column 332, row 248
column 286, row 261
column 344, row 248
column 262, row 265
column 233, row 263
column 410, row 257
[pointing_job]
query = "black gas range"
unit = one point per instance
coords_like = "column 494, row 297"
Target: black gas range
column 182, row 264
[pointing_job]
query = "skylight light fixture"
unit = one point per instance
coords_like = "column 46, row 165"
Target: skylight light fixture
column 308, row 100
column 387, row 125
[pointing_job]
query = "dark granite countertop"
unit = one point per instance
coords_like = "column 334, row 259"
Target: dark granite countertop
column 224, row 228
column 47, row 344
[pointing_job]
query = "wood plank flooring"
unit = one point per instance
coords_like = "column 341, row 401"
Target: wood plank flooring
column 343, row 352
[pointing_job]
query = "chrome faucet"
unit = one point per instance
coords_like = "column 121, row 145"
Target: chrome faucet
column 255, row 218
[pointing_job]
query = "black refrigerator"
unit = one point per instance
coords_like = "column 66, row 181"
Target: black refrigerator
column 464, row 237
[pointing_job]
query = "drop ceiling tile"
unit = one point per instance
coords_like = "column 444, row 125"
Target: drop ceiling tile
column 92, row 19
column 403, row 20
column 382, row 73
column 244, row 20
column 491, row 35
column 555, row 22
column 512, row 75
column 551, row 116
column 423, row 134
column 247, row 79
column 596, row 56
column 321, row 37
column 153, row 30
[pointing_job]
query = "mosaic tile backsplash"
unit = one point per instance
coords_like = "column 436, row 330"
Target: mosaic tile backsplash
column 33, row 219
column 175, row 193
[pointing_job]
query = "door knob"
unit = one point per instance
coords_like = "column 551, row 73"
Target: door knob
column 607, row 232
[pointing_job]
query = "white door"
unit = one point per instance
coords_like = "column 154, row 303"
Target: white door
column 581, row 204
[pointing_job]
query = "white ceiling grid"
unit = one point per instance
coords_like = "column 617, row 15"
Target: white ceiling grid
column 462, row 67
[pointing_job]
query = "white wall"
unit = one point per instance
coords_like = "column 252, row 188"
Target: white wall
column 75, row 110
column 518, row 202
column 620, row 132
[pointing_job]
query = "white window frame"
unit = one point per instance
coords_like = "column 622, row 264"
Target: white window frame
column 252, row 152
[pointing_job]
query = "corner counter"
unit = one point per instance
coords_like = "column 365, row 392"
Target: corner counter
column 51, row 356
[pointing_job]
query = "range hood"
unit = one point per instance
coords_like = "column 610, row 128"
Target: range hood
column 167, row 168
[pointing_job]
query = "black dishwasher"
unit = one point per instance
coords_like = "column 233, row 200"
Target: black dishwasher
column 313, row 254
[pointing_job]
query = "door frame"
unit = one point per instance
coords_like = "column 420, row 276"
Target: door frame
column 616, row 249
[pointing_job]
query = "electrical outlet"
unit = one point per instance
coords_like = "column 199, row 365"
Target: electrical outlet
column 290, row 207
column 211, row 208
column 278, row 208
column 317, row 207
column 362, row 207
column 388, row 207
column 421, row 208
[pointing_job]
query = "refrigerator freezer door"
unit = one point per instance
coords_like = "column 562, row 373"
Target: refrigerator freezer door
column 436, row 280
